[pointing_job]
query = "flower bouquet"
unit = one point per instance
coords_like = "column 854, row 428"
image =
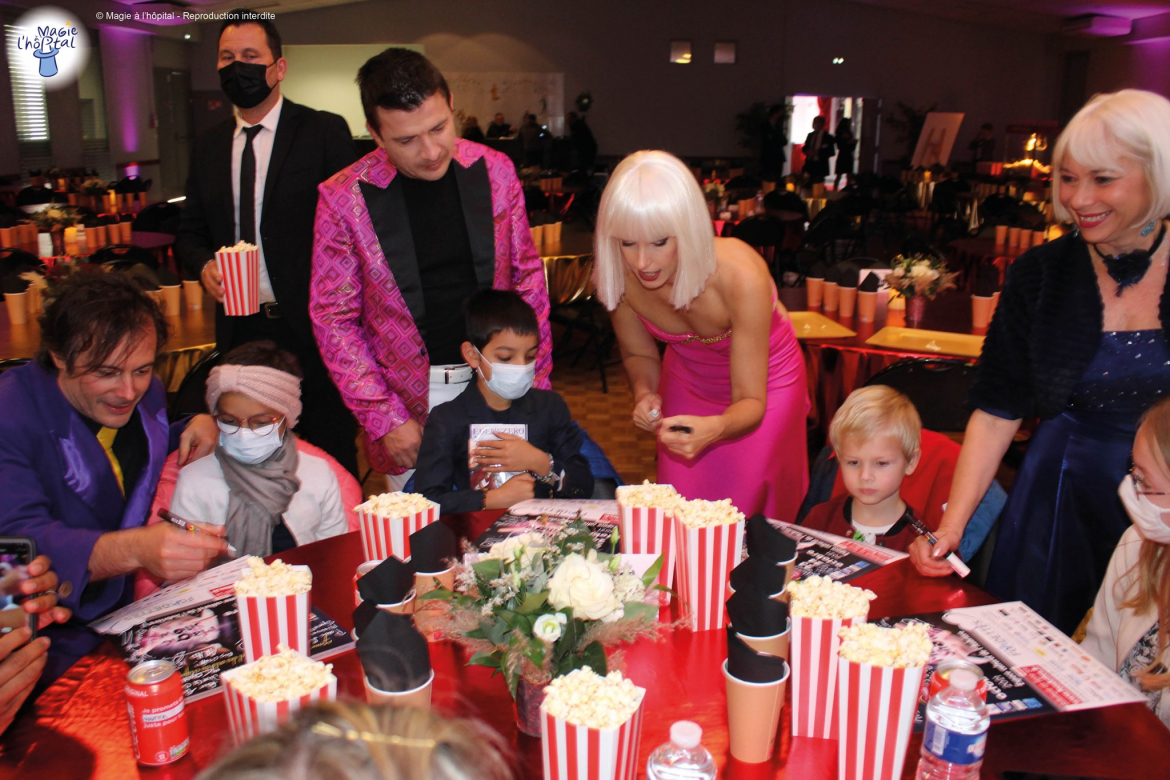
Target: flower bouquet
column 95, row 186
column 54, row 218
column 916, row 274
column 535, row 608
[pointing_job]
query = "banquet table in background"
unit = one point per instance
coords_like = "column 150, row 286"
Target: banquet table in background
column 78, row 727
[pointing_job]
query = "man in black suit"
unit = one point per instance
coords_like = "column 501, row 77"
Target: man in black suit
column 819, row 147
column 279, row 151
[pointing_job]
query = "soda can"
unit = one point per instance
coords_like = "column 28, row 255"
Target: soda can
column 158, row 722
column 942, row 673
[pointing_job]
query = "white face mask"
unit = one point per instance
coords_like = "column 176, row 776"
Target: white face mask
column 250, row 447
column 1146, row 515
column 508, row 381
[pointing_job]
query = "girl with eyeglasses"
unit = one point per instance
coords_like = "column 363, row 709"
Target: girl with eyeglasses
column 1129, row 630
column 271, row 496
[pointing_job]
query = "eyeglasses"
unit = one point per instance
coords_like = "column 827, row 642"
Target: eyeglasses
column 261, row 425
column 1137, row 486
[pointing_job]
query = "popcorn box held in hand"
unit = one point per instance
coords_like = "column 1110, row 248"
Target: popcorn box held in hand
column 876, row 706
column 240, row 268
column 813, row 648
column 581, row 753
column 650, row 530
column 706, row 557
column 250, row 717
column 386, row 535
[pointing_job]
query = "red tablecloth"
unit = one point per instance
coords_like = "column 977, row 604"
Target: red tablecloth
column 78, row 728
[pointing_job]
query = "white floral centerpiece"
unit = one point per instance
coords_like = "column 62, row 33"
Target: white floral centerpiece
column 919, row 275
column 536, row 608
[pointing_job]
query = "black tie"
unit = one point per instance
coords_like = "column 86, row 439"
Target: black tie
column 248, row 187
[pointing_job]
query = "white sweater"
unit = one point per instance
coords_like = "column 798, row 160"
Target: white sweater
column 314, row 513
column 1113, row 631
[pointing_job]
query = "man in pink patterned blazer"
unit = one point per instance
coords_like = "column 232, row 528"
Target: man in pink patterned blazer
column 403, row 238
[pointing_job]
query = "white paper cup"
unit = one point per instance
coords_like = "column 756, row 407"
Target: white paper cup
column 250, row 718
column 981, row 310
column 17, row 305
column 383, row 536
column 537, row 235
column 753, row 716
column 580, row 753
column 814, row 646
column 777, row 644
column 815, row 289
column 877, row 706
column 847, row 298
column 268, row 621
column 419, row 698
column 706, row 557
column 172, row 295
column 193, row 294
column 831, row 293
column 241, row 282
column 649, row 530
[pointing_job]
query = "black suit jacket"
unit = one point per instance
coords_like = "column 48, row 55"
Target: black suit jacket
column 309, row 147
column 442, row 474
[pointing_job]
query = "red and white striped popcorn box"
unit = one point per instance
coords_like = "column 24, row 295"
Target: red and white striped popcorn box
column 250, row 718
column 581, row 753
column 706, row 557
column 268, row 621
column 876, row 706
column 241, row 281
column 383, row 536
column 649, row 530
column 813, row 650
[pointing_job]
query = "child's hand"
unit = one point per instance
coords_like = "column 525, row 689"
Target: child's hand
column 518, row 488
column 510, row 453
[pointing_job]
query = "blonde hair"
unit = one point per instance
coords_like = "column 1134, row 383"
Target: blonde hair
column 1130, row 123
column 878, row 410
column 336, row 741
column 1149, row 579
column 652, row 195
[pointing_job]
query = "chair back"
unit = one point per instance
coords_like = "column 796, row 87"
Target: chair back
column 191, row 396
column 120, row 256
column 938, row 388
column 12, row 363
column 569, row 278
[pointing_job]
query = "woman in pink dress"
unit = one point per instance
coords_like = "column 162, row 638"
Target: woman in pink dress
column 728, row 401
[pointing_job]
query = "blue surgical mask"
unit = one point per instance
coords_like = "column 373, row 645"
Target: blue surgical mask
column 508, row 381
column 247, row 446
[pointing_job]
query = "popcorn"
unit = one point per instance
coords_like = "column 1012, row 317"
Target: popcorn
column 649, row 495
column 286, row 675
column 866, row 643
column 242, row 246
column 702, row 514
column 821, row 597
column 584, row 698
column 279, row 579
column 395, row 504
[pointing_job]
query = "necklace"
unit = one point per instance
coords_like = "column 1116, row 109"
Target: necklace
column 1128, row 268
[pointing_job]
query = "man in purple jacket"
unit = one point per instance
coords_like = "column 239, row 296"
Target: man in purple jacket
column 83, row 437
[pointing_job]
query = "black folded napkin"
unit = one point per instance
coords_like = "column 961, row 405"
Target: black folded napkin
column 744, row 663
column 817, row 271
column 987, row 281
column 432, row 548
column 768, row 541
column 394, row 654
column 758, row 573
column 387, row 583
column 362, row 616
column 12, row 284
column 870, row 283
column 849, row 277
column 752, row 613
column 833, row 275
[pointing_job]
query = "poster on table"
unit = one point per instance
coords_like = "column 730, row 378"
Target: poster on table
column 1031, row 668
column 836, row 557
column 195, row 625
column 603, row 527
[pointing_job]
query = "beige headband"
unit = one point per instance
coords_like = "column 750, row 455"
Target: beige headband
column 272, row 387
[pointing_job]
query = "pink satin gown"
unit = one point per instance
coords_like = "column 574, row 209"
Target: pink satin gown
column 763, row 471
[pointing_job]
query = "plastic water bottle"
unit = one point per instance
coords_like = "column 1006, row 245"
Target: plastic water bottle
column 956, row 731
column 683, row 758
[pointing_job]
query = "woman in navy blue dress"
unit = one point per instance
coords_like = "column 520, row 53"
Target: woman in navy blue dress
column 1079, row 340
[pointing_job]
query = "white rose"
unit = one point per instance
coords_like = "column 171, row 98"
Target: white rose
column 584, row 586
column 548, row 627
column 527, row 544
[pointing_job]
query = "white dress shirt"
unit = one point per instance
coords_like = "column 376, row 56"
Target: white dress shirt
column 262, row 148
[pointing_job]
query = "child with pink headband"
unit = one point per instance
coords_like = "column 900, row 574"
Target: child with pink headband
column 270, row 496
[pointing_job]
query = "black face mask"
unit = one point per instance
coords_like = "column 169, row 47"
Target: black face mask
column 245, row 83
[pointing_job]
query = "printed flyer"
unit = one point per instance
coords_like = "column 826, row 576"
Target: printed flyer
column 836, row 557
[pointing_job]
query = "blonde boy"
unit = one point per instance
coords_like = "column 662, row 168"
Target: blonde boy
column 876, row 437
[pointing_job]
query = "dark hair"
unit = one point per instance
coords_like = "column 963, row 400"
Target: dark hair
column 489, row 312
column 90, row 314
column 240, row 16
column 263, row 353
column 398, row 80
